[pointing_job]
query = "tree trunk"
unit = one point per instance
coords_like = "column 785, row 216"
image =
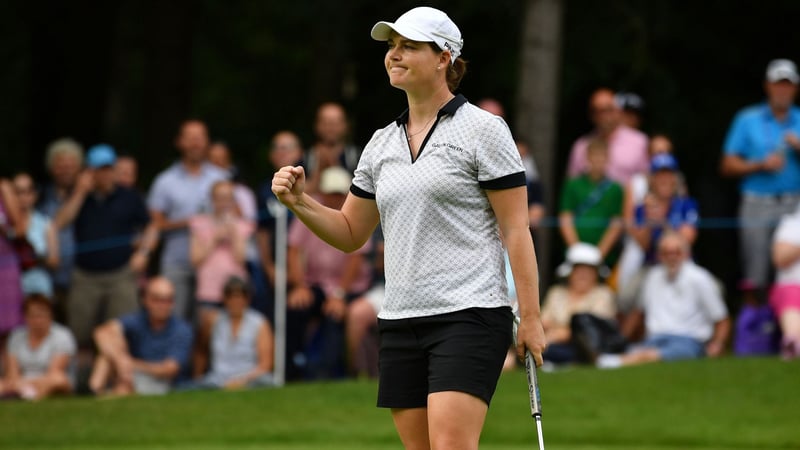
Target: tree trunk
column 537, row 108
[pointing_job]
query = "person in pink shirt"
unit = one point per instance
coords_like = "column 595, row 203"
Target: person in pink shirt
column 218, row 244
column 627, row 147
column 323, row 281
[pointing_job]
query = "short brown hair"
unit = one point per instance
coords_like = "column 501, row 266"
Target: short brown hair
column 597, row 145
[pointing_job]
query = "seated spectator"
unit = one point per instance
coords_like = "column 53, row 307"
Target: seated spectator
column 785, row 294
column 591, row 206
column 11, row 291
column 146, row 351
column 39, row 360
column 40, row 234
column 684, row 314
column 664, row 208
column 362, row 318
column 323, row 280
column 218, row 245
column 238, row 342
column 583, row 293
column 114, row 237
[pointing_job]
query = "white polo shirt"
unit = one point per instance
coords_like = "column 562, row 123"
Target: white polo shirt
column 442, row 244
column 688, row 306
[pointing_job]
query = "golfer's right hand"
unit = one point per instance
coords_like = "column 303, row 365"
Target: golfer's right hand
column 288, row 185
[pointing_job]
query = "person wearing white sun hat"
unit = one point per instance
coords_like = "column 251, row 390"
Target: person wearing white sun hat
column 444, row 180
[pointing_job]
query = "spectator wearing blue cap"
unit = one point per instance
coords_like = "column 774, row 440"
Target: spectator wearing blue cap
column 762, row 149
column 664, row 208
column 108, row 222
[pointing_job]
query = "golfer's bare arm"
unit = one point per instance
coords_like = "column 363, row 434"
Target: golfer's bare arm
column 346, row 229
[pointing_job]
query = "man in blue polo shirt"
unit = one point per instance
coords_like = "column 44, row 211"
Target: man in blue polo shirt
column 113, row 237
column 763, row 149
column 146, row 351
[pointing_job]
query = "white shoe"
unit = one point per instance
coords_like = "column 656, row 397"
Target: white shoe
column 608, row 361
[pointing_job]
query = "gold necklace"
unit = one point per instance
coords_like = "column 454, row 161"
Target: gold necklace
column 410, row 135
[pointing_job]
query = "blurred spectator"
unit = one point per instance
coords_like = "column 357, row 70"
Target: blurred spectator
column 632, row 258
column 362, row 317
column 176, row 195
column 285, row 150
column 785, row 294
column 126, row 171
column 493, row 106
column 322, row 279
column 591, row 206
column 10, row 286
column 218, row 243
column 582, row 294
column 762, row 148
column 536, row 209
column 146, row 351
column 684, row 314
column 238, row 341
column 627, row 152
column 40, row 234
column 39, row 360
column 64, row 162
column 664, row 208
column 114, row 236
column 632, row 107
column 332, row 147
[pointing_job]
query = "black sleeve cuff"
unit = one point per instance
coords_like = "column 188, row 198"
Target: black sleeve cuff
column 358, row 192
column 506, row 182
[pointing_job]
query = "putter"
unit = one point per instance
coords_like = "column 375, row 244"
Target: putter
column 533, row 388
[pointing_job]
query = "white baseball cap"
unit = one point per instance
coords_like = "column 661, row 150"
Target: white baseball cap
column 584, row 254
column 335, row 180
column 782, row 69
column 424, row 24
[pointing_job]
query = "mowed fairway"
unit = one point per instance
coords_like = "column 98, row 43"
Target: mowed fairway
column 731, row 403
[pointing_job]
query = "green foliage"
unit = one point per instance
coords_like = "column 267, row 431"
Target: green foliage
column 719, row 404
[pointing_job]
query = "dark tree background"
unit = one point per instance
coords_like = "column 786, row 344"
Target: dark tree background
column 126, row 72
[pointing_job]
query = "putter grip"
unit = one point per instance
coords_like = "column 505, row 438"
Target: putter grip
column 533, row 385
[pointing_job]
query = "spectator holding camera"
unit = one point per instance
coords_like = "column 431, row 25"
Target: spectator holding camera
column 114, row 236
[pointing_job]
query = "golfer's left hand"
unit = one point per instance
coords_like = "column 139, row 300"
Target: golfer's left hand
column 530, row 336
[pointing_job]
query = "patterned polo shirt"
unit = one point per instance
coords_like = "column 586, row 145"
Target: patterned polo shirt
column 442, row 244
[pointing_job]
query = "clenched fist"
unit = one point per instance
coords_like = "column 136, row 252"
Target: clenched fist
column 288, row 184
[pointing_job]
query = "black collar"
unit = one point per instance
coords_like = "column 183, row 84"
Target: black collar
column 450, row 108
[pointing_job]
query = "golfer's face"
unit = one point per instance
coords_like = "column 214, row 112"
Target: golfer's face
column 410, row 63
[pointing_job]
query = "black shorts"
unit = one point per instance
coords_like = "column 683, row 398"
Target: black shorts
column 460, row 351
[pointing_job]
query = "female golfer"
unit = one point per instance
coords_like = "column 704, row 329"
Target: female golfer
column 445, row 180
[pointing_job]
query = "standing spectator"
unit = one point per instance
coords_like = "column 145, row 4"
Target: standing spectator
column 146, row 351
column 218, row 244
column 332, row 147
column 114, row 236
column 762, row 148
column 627, row 147
column 323, row 280
column 39, row 360
column 285, row 150
column 11, row 292
column 177, row 194
column 237, row 340
column 582, row 294
column 536, row 209
column 632, row 107
column 64, row 162
column 684, row 314
column 785, row 294
column 591, row 206
column 40, row 233
column 126, row 171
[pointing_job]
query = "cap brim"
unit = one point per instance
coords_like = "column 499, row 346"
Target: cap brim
column 382, row 30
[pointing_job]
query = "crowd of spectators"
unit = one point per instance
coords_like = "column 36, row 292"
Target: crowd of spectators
column 79, row 250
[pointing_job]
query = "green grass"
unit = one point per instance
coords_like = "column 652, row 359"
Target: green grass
column 721, row 404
